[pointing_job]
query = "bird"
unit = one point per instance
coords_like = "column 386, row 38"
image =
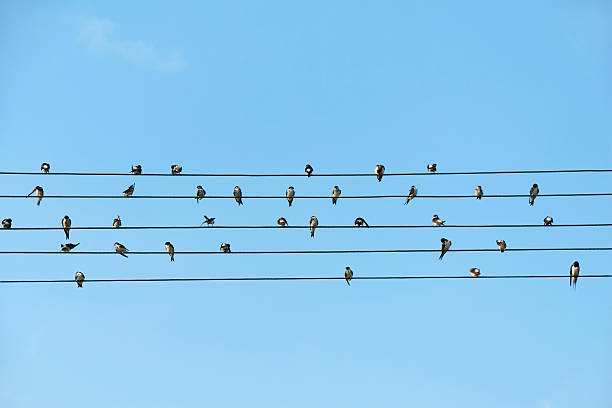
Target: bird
column 548, row 220
column 225, row 248
column 360, row 222
column 120, row 249
column 445, row 246
column 176, row 169
column 68, row 247
column 475, row 272
column 501, row 244
column 39, row 193
column 290, row 193
column 533, row 193
column 200, row 193
column 117, row 222
column 478, row 192
column 238, row 195
column 379, row 170
column 348, row 275
column 7, row 223
column 574, row 272
column 170, row 250
column 314, row 222
column 137, row 169
column 129, row 191
column 208, row 221
column 66, row 223
column 45, row 167
column 432, row 168
column 335, row 194
column 282, row 222
column 412, row 194
column 437, row 221
column 308, row 170
column 79, row 277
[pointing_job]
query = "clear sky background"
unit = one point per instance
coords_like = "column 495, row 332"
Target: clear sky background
column 268, row 87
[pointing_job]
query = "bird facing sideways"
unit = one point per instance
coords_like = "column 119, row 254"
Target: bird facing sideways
column 120, row 249
column 200, row 193
column 170, row 250
column 176, row 169
column 39, row 193
column 68, row 247
column 208, row 221
column 225, row 247
column 501, row 244
column 314, row 222
column 446, row 244
column 533, row 193
column 238, row 195
column 7, row 223
column 380, row 171
column 129, row 191
column 574, row 272
column 432, row 168
column 117, row 222
column 137, row 169
column 475, row 272
column 348, row 275
column 282, row 222
column 412, row 194
column 360, row 222
column 437, row 221
column 478, row 192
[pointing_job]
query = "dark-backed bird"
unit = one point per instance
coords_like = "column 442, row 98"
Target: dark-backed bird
column 7, row 223
column 170, row 250
column 335, row 194
column 445, row 246
column 548, row 220
column 475, row 272
column 176, row 169
column 348, row 275
column 282, row 222
column 437, row 221
column 380, row 171
column 200, row 193
column 290, row 193
column 68, row 247
column 574, row 272
column 360, row 222
column 137, row 169
column 238, row 195
column 225, row 247
column 45, row 167
column 39, row 193
column 314, row 222
column 66, row 223
column 308, row 170
column 533, row 193
column 478, row 192
column 432, row 168
column 208, row 221
column 129, row 191
column 411, row 194
column 79, row 277
column 501, row 244
column 117, row 222
column 120, row 249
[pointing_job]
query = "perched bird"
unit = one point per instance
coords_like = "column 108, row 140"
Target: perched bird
column 501, row 244
column 66, row 223
column 137, row 169
column 360, row 222
column 282, row 222
column 170, row 250
column 445, row 246
column 45, row 167
column 176, row 169
column 574, row 272
column 120, row 249
column 475, row 272
column 208, row 221
column 380, row 170
column 290, row 193
column 335, row 194
column 7, row 223
column 69, row 247
column 478, row 193
column 39, row 193
column 348, row 275
column 432, row 168
column 548, row 220
column 129, row 191
column 437, row 221
column 200, row 193
column 308, row 170
column 79, row 277
column 314, row 222
column 238, row 195
column 117, row 222
column 412, row 194
column 533, row 193
column 225, row 248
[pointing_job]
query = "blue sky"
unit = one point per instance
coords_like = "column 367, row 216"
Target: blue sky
column 241, row 87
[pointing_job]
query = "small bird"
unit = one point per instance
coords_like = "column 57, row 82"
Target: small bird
column 208, row 221
column 574, row 272
column 445, row 246
column 533, row 193
column 129, row 191
column 238, row 195
column 120, row 249
column 290, row 193
column 308, row 170
column 137, row 169
column 360, row 222
column 170, row 250
column 314, row 222
column 225, row 248
column 432, row 168
column 437, row 221
column 379, row 170
column 117, row 222
column 39, row 193
column 501, row 244
column 412, row 194
column 478, row 192
column 66, row 223
column 176, row 169
column 68, row 247
column 282, row 222
column 548, row 220
column 7, row 223
column 79, row 277
column 335, row 194
column 45, row 167
column 475, row 272
column 348, row 275
column 200, row 193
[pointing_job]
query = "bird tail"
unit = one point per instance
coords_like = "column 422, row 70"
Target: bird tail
column 39, row 200
column 441, row 255
column 80, row 284
column 366, row 224
column 172, row 257
column 312, row 233
column 67, row 233
column 122, row 254
column 77, row 244
column 531, row 200
column 290, row 203
column 334, row 201
column 347, row 281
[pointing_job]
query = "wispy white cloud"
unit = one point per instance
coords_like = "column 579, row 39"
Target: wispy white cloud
column 97, row 35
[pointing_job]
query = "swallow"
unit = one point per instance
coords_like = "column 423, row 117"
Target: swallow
column 170, row 250
column 176, row 169
column 308, row 170
column 432, row 168
column 208, row 221
column 314, row 222
column 225, row 248
column 129, row 191
column 501, row 244
column 39, row 193
column 360, row 222
column 348, row 275
column 200, row 193
column 478, row 192
column 68, row 247
column 412, row 194
column 238, row 195
column 437, row 221
column 475, row 272
column 120, row 249
column 574, row 272
column 533, row 193
column 290, row 193
column 7, row 223
column 445, row 246
column 282, row 222
column 79, row 277
column 66, row 223
column 45, row 167
column 379, row 170
column 137, row 169
column 335, row 194
column 548, row 220
column 117, row 222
